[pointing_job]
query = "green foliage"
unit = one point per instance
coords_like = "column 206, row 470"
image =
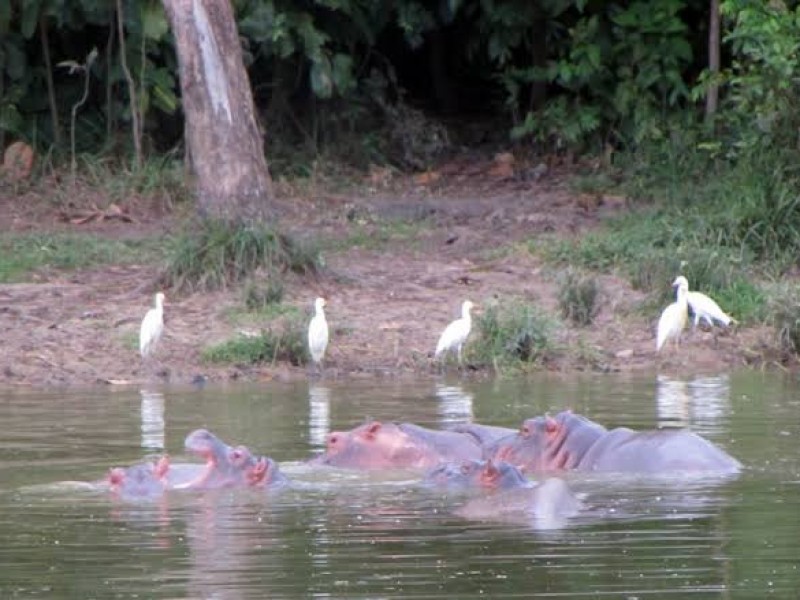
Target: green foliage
column 512, row 336
column 578, row 298
column 216, row 254
column 760, row 106
column 284, row 342
column 618, row 69
column 21, row 254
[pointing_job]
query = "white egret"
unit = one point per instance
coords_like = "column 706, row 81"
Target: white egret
column 455, row 334
column 674, row 317
column 705, row 308
column 152, row 327
column 318, row 332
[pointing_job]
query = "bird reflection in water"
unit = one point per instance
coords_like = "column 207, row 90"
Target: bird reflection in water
column 702, row 403
column 319, row 416
column 153, row 426
column 455, row 405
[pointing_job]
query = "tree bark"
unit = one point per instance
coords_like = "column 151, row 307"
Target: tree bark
column 712, row 96
column 231, row 178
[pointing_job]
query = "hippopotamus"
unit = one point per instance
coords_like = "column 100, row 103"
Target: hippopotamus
column 265, row 474
column 477, row 474
column 377, row 445
column 225, row 466
column 142, row 481
column 572, row 442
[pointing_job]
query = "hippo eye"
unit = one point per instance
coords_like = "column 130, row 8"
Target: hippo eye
column 525, row 431
column 333, row 439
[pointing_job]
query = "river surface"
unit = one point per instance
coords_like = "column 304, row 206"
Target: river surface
column 339, row 534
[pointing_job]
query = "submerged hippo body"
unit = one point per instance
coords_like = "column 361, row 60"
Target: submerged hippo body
column 573, row 442
column 378, row 445
column 484, row 435
column 477, row 474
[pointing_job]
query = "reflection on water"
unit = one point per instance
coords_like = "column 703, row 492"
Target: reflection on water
column 455, row 405
column 701, row 403
column 342, row 534
column 319, row 415
column 153, row 426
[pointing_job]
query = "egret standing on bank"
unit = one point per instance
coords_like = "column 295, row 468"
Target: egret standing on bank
column 455, row 334
column 152, row 328
column 318, row 332
column 675, row 316
column 705, row 308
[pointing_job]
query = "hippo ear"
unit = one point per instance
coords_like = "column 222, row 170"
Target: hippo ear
column 373, row 428
column 550, row 424
column 116, row 476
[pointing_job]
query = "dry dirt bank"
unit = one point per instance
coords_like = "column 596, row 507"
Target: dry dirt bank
column 388, row 300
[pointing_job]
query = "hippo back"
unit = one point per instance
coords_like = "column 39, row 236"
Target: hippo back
column 657, row 452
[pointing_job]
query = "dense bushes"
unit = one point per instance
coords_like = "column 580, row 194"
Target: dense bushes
column 564, row 74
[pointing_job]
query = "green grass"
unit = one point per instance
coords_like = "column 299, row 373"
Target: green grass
column 282, row 342
column 213, row 254
column 512, row 337
column 244, row 316
column 21, row 254
column 723, row 238
column 378, row 235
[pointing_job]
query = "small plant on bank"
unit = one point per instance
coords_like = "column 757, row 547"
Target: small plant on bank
column 259, row 295
column 578, row 298
column 785, row 315
column 282, row 342
column 217, row 254
column 512, row 336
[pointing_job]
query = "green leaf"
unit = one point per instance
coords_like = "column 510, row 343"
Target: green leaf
column 154, row 21
column 321, row 80
column 5, row 17
column 343, row 73
column 29, row 18
column 16, row 61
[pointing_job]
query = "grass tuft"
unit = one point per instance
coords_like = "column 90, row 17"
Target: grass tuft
column 578, row 298
column 784, row 308
column 261, row 295
column 217, row 254
column 513, row 336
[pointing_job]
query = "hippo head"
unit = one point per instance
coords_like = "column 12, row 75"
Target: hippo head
column 549, row 443
column 477, row 474
column 144, row 480
column 225, row 465
column 377, row 445
column 264, row 472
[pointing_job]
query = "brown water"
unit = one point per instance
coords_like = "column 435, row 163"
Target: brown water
column 350, row 535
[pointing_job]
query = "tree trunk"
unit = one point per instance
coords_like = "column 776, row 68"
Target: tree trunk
column 712, row 97
column 231, row 179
